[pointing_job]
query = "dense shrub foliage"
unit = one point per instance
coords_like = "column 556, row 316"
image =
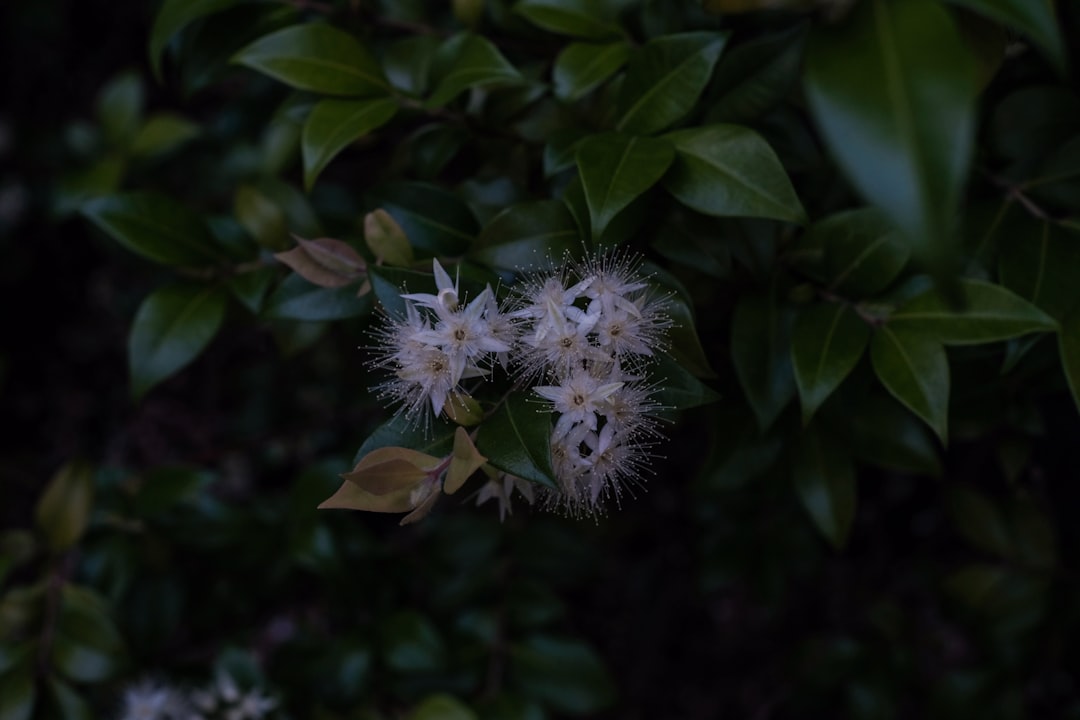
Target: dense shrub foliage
column 690, row 359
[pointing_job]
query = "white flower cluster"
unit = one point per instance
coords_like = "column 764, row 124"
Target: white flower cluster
column 581, row 335
column 222, row 700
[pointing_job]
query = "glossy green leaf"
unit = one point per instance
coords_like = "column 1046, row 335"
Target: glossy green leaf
column 163, row 133
column 1069, row 352
column 664, row 80
column 826, row 343
column 263, row 218
column 588, row 19
column 989, row 313
column 617, row 168
column 401, row 431
column 154, row 226
column 754, row 77
column 900, row 120
column 476, row 63
column 677, row 388
column 173, row 325
column 581, row 67
column 298, row 299
column 173, row 17
column 728, row 170
column 1034, row 18
column 913, row 367
column 407, row 63
column 562, row 673
column 389, row 283
column 87, row 646
column 386, row 240
column 517, row 439
column 862, row 251
column 527, row 236
column 413, row 643
column 433, row 219
column 824, row 477
column 888, row 436
column 1038, row 262
column 17, row 694
column 120, row 108
column 68, row 702
column 761, row 352
column 250, row 288
column 441, row 707
column 63, row 511
column 316, row 57
column 333, row 125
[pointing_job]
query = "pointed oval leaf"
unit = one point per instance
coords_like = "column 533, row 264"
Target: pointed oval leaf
column 171, row 328
column 389, row 469
column 913, row 367
column 761, row 352
column 826, row 344
column 1035, row 19
column 863, row 252
column 581, row 67
column 405, row 432
column 63, row 511
column 433, row 219
column 465, row 461
column 333, row 125
column 163, row 133
column 476, row 63
column 517, row 439
column 885, row 434
column 728, row 170
column 989, row 313
column 298, row 299
column 386, row 239
column 318, row 58
column 1038, row 262
column 156, row 227
column 664, row 80
column 616, row 168
column 351, row 496
column 825, row 479
column 577, row 18
column 755, row 76
column 173, row 17
column 527, row 236
column 900, row 120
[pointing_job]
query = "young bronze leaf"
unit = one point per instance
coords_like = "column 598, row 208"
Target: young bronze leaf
column 325, row 262
column 390, row 469
column 463, row 463
column 386, row 239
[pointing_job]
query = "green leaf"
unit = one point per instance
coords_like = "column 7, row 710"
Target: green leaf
column 617, row 168
column 154, row 226
column 261, row 217
column 761, row 352
column 826, row 343
column 664, row 80
column 441, row 707
column 87, row 647
column 476, row 63
column 754, row 77
column 433, row 219
column 250, row 288
column 527, row 236
column 588, row 19
column 825, row 479
column 728, row 170
column 63, row 511
column 1034, row 18
column 173, row 17
column 163, row 133
column 298, row 299
column 677, row 389
column 989, row 313
column 1069, row 352
column 413, row 643
column 120, row 109
column 316, row 57
column 173, row 325
column 863, row 251
column 581, row 67
column 335, row 124
column 517, row 439
column 386, row 240
column 900, row 119
column 389, row 283
column 888, row 436
column 563, row 673
column 68, row 702
column 17, row 694
column 1038, row 262
column 400, row 431
column 913, row 367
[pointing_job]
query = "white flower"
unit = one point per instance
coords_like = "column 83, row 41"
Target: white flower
column 147, row 700
column 579, row 398
column 503, row 490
